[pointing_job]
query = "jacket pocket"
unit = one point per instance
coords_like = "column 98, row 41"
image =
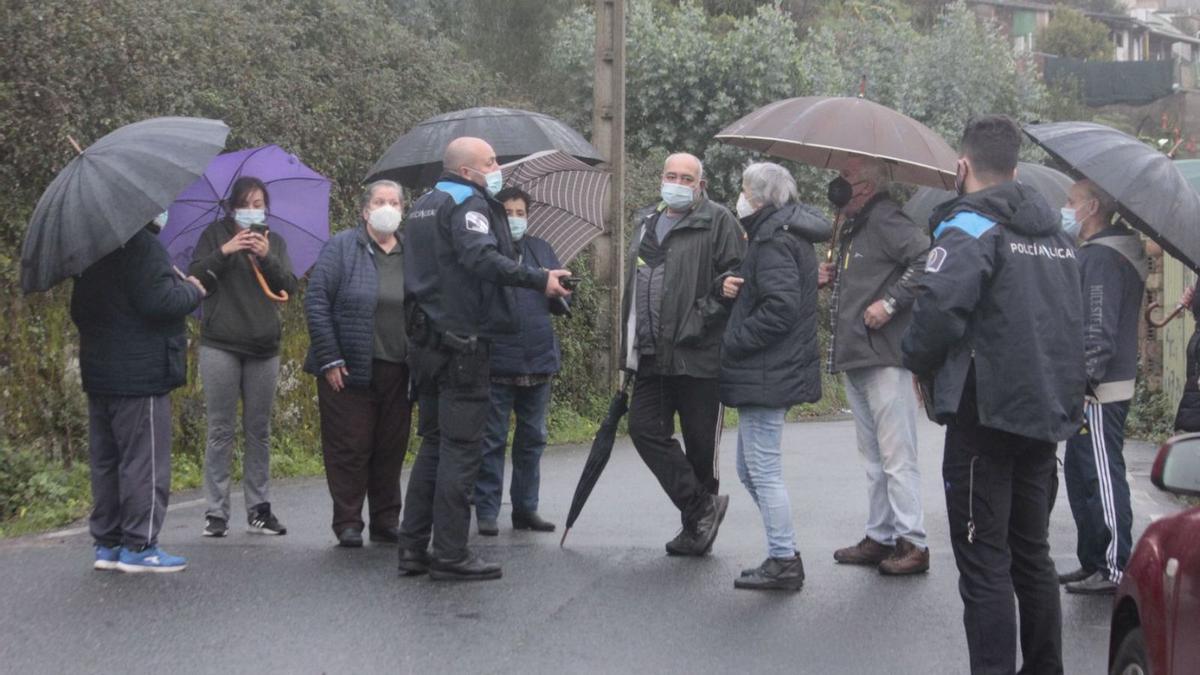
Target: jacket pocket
column 691, row 327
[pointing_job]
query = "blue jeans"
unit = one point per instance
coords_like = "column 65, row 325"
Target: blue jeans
column 760, row 434
column 529, row 440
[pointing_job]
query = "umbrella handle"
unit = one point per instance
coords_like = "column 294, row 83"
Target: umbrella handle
column 282, row 296
column 1165, row 320
column 833, row 240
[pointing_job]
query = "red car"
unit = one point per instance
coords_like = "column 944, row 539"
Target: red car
column 1156, row 613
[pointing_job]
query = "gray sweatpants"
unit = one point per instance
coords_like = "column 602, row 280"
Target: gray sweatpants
column 129, row 443
column 227, row 378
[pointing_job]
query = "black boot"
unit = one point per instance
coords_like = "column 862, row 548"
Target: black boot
column 531, row 521
column 413, row 561
column 350, row 538
column 468, row 568
column 785, row 574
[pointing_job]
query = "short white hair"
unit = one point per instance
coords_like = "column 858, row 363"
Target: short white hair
column 769, row 184
column 876, row 171
column 369, row 192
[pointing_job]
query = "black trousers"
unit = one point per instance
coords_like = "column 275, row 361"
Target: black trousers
column 364, row 437
column 1097, row 490
column 688, row 477
column 999, row 491
column 452, row 400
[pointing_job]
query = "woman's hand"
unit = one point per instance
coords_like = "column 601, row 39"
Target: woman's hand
column 1186, row 298
column 335, row 377
column 242, row 241
column 731, row 286
column 259, row 245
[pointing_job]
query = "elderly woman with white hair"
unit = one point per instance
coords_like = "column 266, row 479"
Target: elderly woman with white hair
column 769, row 354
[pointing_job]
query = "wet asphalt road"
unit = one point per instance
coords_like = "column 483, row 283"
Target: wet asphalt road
column 611, row 601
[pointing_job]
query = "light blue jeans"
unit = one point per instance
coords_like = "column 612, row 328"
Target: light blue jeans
column 885, row 415
column 760, row 434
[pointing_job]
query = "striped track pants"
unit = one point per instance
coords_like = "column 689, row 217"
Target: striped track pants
column 1098, row 491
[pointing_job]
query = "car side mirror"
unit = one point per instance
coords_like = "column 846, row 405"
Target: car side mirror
column 1177, row 467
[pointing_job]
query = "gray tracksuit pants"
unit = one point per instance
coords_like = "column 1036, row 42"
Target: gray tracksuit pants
column 129, row 441
column 227, row 378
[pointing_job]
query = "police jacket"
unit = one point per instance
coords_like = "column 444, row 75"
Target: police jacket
column 1000, row 291
column 533, row 349
column 130, row 308
column 1114, row 267
column 770, row 355
column 459, row 260
column 685, row 293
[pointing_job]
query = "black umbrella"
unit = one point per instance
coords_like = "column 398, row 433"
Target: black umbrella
column 415, row 159
column 110, row 191
column 598, row 457
column 1152, row 195
column 1050, row 183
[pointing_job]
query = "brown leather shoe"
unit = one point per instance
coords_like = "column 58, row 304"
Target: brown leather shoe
column 866, row 552
column 908, row 559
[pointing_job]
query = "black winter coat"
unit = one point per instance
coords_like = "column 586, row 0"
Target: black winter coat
column 533, row 349
column 1187, row 417
column 1001, row 294
column 130, row 308
column 770, row 355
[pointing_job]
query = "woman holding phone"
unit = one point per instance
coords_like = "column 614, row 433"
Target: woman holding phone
column 239, row 261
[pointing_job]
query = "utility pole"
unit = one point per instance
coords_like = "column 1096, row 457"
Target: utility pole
column 608, row 136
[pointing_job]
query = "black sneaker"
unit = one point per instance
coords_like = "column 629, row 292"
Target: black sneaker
column 215, row 527
column 262, row 521
column 776, row 574
column 1097, row 584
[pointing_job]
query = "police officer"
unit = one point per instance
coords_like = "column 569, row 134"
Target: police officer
column 997, row 340
column 458, row 262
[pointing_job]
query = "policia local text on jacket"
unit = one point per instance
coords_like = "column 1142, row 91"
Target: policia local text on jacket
column 674, row 319
column 458, row 260
column 130, row 309
column 998, row 329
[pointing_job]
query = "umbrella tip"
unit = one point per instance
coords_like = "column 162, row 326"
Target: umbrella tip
column 75, row 144
column 564, row 537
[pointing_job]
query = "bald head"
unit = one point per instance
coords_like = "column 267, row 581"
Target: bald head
column 469, row 157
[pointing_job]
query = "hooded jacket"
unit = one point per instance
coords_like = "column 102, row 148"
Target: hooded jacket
column 688, row 313
column 999, row 295
column 1114, row 268
column 881, row 257
column 770, row 355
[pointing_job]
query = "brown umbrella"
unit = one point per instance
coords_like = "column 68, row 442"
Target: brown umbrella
column 825, row 132
column 569, row 199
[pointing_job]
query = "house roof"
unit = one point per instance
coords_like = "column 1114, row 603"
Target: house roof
column 1155, row 23
column 1015, row 4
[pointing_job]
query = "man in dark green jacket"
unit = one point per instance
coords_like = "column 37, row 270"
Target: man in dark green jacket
column 673, row 320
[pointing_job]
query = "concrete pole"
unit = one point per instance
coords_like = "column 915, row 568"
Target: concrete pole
column 608, row 136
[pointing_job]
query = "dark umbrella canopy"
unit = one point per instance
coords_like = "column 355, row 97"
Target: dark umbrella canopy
column 415, row 159
column 826, row 131
column 569, row 199
column 1050, row 183
column 1151, row 194
column 597, row 458
column 110, row 191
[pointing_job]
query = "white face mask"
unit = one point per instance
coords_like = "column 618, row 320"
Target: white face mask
column 1070, row 223
column 744, row 207
column 385, row 219
column 247, row 217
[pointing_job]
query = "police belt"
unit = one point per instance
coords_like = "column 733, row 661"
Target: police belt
column 424, row 334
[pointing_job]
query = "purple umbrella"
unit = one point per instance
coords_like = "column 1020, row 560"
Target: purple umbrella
column 299, row 204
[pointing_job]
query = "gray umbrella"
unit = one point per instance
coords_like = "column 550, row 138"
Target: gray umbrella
column 1152, row 195
column 569, row 199
column 110, row 191
column 415, row 159
column 1050, row 183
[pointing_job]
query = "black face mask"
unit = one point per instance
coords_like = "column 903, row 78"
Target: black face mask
column 840, row 192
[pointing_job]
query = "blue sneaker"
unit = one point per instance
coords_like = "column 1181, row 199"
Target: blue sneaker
column 150, row 559
column 106, row 557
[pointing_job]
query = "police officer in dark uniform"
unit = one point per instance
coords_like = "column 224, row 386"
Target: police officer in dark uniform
column 459, row 261
column 997, row 341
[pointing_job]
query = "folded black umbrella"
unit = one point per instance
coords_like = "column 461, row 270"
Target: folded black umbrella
column 597, row 459
column 110, row 191
column 1151, row 194
column 415, row 159
column 1050, row 183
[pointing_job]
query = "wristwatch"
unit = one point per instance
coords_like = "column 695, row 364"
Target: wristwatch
column 889, row 306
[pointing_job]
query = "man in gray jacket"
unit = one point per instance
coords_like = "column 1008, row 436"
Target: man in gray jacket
column 880, row 255
column 674, row 317
column 1113, row 264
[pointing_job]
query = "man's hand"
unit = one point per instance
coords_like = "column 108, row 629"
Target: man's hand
column 334, row 376
column 826, row 273
column 876, row 316
column 731, row 286
column 554, row 289
column 259, row 245
column 242, row 241
column 196, row 282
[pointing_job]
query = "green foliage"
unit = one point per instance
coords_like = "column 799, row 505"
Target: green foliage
column 1069, row 33
column 1151, row 415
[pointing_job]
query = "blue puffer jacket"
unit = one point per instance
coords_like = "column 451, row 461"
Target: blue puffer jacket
column 343, row 289
column 533, row 349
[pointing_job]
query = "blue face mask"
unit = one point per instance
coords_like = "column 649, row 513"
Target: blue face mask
column 1069, row 223
column 517, row 226
column 494, row 180
column 247, row 217
column 160, row 221
column 677, row 197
